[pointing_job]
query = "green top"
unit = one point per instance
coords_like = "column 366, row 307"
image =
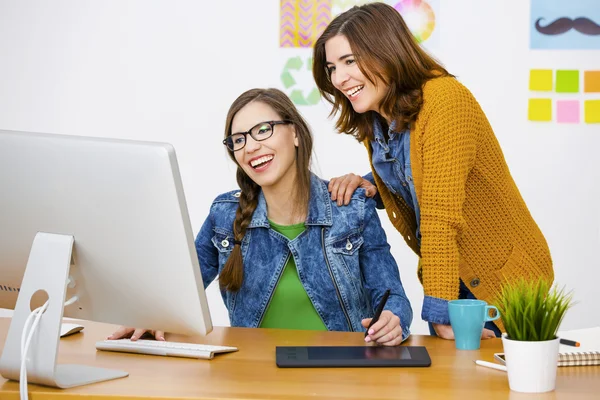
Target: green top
column 290, row 306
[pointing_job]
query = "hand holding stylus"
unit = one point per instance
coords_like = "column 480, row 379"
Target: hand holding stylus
column 386, row 331
column 384, row 328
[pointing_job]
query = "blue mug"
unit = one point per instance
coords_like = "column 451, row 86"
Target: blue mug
column 467, row 318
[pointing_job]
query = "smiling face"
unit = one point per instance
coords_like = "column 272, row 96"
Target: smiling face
column 349, row 79
column 271, row 162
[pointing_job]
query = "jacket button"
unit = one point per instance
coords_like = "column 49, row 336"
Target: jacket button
column 225, row 243
column 348, row 245
column 474, row 282
column 237, row 194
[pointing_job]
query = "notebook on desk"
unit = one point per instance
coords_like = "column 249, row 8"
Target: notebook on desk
column 586, row 354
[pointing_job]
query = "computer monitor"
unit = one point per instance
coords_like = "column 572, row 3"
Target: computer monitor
column 133, row 261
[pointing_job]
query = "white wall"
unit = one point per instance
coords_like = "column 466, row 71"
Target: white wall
column 168, row 71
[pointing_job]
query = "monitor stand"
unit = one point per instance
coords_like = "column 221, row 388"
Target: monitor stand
column 48, row 270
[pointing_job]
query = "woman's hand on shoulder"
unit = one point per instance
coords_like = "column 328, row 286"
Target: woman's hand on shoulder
column 342, row 187
column 386, row 331
column 134, row 334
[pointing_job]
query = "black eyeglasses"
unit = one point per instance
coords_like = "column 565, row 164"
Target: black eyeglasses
column 259, row 132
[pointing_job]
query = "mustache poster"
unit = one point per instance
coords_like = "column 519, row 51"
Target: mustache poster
column 560, row 24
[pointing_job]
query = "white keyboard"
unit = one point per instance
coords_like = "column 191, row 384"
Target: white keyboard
column 160, row 348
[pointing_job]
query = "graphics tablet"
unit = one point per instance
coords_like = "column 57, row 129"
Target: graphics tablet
column 352, row 356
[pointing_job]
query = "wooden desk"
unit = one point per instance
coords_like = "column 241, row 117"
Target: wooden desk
column 251, row 372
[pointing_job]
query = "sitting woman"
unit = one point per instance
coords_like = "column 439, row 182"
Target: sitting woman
column 287, row 256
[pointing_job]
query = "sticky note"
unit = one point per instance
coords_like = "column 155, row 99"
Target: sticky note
column 567, row 111
column 540, row 80
column 540, row 110
column 592, row 111
column 567, row 81
column 591, row 81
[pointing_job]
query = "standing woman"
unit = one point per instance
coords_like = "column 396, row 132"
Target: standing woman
column 435, row 161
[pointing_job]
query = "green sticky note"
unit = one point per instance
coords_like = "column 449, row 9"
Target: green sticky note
column 592, row 111
column 567, row 81
column 540, row 80
column 540, row 110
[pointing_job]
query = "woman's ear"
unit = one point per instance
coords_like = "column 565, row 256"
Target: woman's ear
column 295, row 135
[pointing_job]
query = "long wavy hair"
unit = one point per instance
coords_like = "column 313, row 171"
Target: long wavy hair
column 386, row 52
column 232, row 275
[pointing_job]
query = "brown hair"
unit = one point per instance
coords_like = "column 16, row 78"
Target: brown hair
column 384, row 48
column 232, row 275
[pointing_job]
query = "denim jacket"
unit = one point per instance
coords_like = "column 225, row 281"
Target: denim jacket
column 342, row 258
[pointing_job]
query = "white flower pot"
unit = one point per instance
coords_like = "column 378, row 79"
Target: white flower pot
column 531, row 366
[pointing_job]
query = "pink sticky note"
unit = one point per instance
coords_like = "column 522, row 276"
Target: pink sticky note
column 567, row 111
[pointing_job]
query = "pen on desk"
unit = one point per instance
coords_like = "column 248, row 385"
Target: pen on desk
column 491, row 365
column 569, row 342
column 378, row 310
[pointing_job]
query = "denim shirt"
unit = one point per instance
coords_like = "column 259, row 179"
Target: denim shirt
column 391, row 161
column 342, row 258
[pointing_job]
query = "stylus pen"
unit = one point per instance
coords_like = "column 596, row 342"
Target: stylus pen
column 378, row 310
column 491, row 365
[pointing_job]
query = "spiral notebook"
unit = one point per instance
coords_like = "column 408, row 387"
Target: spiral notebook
column 586, row 354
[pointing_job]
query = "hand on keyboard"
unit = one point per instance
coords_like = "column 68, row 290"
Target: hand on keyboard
column 134, row 334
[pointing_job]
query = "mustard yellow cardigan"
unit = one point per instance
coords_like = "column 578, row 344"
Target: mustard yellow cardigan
column 474, row 222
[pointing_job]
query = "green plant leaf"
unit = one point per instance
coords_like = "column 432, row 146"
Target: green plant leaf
column 532, row 310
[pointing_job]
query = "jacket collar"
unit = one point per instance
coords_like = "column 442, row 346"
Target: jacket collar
column 378, row 129
column 319, row 206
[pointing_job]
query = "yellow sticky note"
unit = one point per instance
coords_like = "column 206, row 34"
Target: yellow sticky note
column 540, row 80
column 592, row 111
column 540, row 110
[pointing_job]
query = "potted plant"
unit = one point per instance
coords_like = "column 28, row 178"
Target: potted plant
column 532, row 311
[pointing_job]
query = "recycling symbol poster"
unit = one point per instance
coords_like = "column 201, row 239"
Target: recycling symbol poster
column 302, row 21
